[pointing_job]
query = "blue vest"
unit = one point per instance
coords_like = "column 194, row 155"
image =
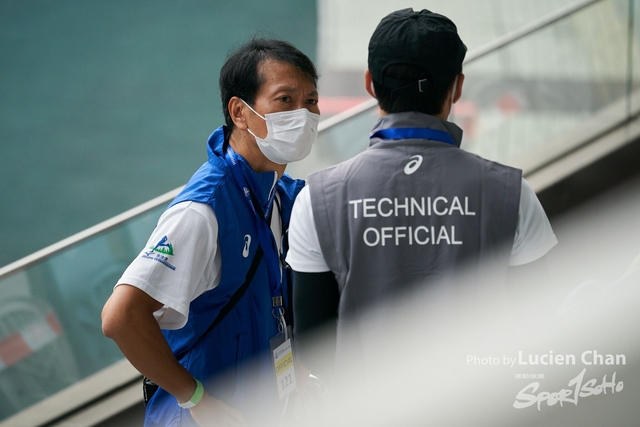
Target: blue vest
column 232, row 360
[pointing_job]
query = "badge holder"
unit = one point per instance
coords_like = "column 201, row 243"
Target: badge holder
column 282, row 353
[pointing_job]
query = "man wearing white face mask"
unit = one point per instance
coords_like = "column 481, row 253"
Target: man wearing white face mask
column 290, row 135
column 412, row 209
column 197, row 311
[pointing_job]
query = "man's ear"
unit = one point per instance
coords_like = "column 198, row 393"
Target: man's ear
column 459, row 83
column 368, row 83
column 237, row 110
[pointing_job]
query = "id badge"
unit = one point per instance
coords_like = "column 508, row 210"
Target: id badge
column 282, row 358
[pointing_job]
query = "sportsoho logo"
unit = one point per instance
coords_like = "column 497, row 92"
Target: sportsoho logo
column 413, row 165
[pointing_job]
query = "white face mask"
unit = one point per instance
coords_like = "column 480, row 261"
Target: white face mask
column 290, row 135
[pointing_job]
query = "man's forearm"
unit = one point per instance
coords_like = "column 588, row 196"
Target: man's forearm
column 128, row 320
column 315, row 308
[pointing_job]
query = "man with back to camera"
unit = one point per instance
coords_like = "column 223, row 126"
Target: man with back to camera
column 218, row 248
column 413, row 207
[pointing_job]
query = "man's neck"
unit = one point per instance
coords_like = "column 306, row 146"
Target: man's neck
column 245, row 145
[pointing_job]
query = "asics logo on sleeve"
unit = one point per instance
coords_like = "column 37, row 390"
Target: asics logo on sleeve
column 413, row 165
column 247, row 243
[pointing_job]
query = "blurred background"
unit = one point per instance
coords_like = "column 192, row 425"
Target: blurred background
column 107, row 105
column 105, row 110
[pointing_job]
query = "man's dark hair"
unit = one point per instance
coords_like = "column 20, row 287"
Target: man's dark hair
column 240, row 77
column 409, row 98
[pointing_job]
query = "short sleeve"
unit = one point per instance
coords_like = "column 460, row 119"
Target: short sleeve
column 304, row 254
column 180, row 261
column 534, row 236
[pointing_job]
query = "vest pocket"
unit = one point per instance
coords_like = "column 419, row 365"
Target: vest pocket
column 223, row 384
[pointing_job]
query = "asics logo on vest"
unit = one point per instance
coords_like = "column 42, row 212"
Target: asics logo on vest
column 247, row 243
column 413, row 165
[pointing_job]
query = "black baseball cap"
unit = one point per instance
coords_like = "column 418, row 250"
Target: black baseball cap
column 423, row 38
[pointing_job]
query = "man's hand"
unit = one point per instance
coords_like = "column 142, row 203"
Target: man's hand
column 128, row 319
column 213, row 412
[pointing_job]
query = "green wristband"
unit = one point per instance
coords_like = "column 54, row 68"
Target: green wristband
column 197, row 396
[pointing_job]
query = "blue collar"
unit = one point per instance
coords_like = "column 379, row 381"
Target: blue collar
column 426, row 127
column 262, row 185
column 413, row 133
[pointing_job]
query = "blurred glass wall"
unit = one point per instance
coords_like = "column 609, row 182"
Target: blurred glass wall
column 105, row 105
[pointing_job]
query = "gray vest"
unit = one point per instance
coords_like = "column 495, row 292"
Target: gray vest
column 409, row 211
